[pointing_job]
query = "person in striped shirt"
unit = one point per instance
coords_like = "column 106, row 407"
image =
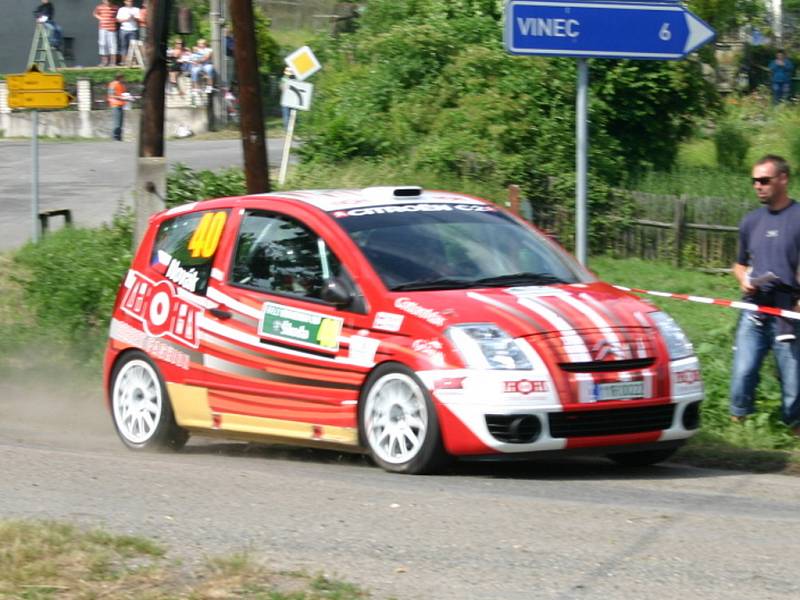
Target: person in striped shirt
column 106, row 15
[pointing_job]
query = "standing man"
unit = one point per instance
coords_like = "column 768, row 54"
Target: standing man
column 781, row 72
column 117, row 98
column 767, row 270
column 106, row 15
column 128, row 19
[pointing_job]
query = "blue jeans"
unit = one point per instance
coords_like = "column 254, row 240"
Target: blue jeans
column 754, row 338
column 781, row 91
column 117, row 119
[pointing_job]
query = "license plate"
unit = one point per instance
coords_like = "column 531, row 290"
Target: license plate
column 623, row 390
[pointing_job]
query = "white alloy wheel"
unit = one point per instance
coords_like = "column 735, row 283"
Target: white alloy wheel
column 396, row 418
column 137, row 402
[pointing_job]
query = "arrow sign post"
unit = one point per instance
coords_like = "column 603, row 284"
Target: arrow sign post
column 604, row 30
column 585, row 29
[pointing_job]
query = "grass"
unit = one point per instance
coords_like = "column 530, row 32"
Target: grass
column 769, row 129
column 46, row 559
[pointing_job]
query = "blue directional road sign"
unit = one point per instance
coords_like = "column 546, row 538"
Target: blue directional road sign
column 656, row 31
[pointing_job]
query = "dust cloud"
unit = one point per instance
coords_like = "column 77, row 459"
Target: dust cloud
column 51, row 400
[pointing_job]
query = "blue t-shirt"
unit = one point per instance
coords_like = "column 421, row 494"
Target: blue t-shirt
column 770, row 241
column 781, row 73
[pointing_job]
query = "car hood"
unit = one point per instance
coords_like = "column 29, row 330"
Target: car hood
column 531, row 310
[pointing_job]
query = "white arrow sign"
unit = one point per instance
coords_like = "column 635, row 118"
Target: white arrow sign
column 297, row 95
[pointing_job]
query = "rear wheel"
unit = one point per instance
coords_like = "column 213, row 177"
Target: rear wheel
column 643, row 458
column 398, row 422
column 140, row 406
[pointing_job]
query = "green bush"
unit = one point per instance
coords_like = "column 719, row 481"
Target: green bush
column 731, row 143
column 430, row 82
column 70, row 280
column 185, row 185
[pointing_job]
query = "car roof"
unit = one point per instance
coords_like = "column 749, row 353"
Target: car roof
column 338, row 199
column 331, row 200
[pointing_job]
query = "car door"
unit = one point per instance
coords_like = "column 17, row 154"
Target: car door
column 280, row 360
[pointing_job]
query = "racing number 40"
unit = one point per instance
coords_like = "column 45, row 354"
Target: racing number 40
column 205, row 239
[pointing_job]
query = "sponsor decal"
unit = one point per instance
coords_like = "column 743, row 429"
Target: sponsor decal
column 362, row 349
column 160, row 309
column 297, row 325
column 427, row 314
column 387, row 321
column 156, row 348
column 431, row 349
column 407, row 208
column 687, row 377
column 524, row 386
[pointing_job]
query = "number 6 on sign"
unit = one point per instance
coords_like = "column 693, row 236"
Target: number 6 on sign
column 205, row 239
column 664, row 33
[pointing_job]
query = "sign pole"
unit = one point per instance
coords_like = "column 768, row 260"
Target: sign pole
column 287, row 147
column 581, row 159
column 35, row 174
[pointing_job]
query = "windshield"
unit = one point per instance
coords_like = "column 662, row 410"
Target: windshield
column 455, row 246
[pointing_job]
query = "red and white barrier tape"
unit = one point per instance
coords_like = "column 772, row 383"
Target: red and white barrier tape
column 770, row 310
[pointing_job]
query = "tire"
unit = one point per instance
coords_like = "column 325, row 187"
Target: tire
column 644, row 458
column 140, row 406
column 398, row 424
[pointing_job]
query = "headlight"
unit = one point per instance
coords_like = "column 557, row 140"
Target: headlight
column 678, row 344
column 486, row 346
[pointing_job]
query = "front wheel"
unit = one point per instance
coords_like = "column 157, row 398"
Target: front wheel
column 398, row 422
column 140, row 406
column 644, row 458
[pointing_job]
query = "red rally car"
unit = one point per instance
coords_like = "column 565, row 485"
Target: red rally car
column 413, row 325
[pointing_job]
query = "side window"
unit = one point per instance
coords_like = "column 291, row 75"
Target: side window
column 185, row 247
column 277, row 254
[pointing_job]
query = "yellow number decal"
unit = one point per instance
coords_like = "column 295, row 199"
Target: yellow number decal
column 328, row 333
column 205, row 239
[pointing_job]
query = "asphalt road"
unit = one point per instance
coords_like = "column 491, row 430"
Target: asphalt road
column 561, row 530
column 91, row 178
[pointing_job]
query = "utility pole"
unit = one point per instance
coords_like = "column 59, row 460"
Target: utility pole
column 150, row 188
column 251, row 113
column 218, row 57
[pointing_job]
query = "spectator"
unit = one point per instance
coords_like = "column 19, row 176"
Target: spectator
column 178, row 63
column 118, row 97
column 766, row 268
column 45, row 14
column 106, row 15
column 143, row 21
column 128, row 19
column 781, row 72
column 202, row 65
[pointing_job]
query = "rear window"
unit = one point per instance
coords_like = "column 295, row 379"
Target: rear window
column 185, row 247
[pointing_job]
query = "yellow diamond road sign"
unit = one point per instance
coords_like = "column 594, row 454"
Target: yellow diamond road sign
column 303, row 63
column 35, row 89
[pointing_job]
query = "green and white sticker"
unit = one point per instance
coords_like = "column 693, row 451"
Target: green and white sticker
column 300, row 326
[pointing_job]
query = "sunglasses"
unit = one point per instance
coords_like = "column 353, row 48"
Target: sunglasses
column 762, row 180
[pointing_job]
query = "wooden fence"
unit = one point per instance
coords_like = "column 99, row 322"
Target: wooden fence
column 687, row 231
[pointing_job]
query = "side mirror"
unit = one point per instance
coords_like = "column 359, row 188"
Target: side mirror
column 337, row 292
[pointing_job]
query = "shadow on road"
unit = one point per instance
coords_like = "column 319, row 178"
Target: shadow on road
column 545, row 469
